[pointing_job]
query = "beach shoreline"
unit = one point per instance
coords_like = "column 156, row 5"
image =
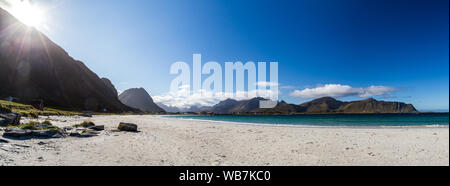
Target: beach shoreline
column 173, row 141
column 306, row 126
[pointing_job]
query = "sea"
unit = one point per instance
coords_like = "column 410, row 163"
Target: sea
column 421, row 119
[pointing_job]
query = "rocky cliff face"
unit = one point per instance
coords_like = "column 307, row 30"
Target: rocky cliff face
column 140, row 99
column 33, row 67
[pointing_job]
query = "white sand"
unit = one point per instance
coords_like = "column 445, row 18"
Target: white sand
column 168, row 141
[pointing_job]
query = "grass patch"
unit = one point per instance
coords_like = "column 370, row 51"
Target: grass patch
column 30, row 111
column 85, row 124
column 34, row 125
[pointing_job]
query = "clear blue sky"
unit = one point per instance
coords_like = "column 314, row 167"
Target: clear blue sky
column 396, row 43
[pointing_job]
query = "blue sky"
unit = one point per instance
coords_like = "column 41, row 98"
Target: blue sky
column 402, row 44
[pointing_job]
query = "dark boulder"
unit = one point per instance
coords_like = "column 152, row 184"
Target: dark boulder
column 88, row 133
column 130, row 127
column 9, row 119
column 84, row 131
column 98, row 127
column 74, row 134
column 4, row 110
column 20, row 133
column 47, row 134
column 4, row 141
column 16, row 133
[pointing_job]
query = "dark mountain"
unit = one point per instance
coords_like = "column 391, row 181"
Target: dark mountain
column 33, row 67
column 321, row 105
column 224, row 107
column 282, row 108
column 231, row 106
column 140, row 99
column 246, row 106
column 331, row 105
column 373, row 106
column 325, row 104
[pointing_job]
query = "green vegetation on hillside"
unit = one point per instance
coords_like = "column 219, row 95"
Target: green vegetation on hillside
column 85, row 124
column 30, row 111
column 34, row 125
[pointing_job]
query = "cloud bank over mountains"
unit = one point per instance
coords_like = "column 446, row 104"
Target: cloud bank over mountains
column 184, row 98
column 339, row 91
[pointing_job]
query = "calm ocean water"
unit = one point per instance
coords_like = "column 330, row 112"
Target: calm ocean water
column 333, row 119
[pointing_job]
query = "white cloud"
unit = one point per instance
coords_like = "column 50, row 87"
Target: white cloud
column 183, row 98
column 376, row 91
column 266, row 84
column 287, row 87
column 337, row 90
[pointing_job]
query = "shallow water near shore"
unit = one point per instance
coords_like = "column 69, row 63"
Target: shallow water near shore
column 423, row 119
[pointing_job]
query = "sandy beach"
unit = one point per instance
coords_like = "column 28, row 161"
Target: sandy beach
column 170, row 141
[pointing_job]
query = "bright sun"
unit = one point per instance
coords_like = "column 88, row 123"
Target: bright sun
column 27, row 13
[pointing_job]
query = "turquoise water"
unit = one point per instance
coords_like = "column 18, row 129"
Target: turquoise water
column 333, row 119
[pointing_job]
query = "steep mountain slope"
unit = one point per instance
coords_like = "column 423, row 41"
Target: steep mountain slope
column 33, row 67
column 140, row 99
column 110, row 86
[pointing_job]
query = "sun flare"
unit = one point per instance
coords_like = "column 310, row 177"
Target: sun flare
column 29, row 14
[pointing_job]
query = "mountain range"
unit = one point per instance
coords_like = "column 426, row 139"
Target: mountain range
column 317, row 106
column 173, row 109
column 32, row 67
